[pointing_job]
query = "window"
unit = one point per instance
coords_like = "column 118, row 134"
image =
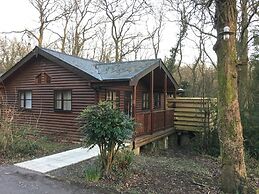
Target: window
column 25, row 99
column 63, row 100
column 114, row 97
column 145, row 100
column 128, row 103
column 38, row 79
column 42, row 78
column 157, row 100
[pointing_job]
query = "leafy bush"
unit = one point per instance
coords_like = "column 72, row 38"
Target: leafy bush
column 93, row 173
column 106, row 127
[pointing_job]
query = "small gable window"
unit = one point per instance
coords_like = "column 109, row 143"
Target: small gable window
column 42, row 78
column 114, row 97
column 47, row 78
column 63, row 100
column 38, row 79
column 25, row 99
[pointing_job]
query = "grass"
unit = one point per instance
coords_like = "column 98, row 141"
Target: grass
column 92, row 173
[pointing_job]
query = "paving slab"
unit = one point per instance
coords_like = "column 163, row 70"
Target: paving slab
column 55, row 161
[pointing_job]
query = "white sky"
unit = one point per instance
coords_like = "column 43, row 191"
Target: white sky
column 17, row 15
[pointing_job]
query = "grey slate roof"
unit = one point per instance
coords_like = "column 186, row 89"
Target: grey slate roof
column 85, row 65
column 105, row 71
column 124, row 70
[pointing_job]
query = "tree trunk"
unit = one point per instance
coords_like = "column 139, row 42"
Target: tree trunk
column 233, row 178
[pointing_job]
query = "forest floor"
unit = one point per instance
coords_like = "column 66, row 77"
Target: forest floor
column 163, row 172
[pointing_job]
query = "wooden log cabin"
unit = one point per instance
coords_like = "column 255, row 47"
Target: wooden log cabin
column 48, row 89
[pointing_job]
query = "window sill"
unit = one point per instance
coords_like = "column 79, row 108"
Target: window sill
column 25, row 109
column 62, row 111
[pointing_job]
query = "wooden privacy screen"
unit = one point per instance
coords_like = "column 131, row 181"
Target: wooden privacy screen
column 193, row 114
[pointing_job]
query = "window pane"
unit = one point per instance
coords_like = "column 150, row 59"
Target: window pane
column 28, row 103
column 22, row 103
column 58, row 104
column 114, row 96
column 22, row 95
column 58, row 95
column 108, row 95
column 28, row 95
column 67, row 95
column 67, row 105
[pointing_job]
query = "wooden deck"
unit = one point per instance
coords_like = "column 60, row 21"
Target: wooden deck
column 145, row 139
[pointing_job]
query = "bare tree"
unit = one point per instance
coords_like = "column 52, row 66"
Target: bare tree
column 85, row 20
column 11, row 51
column 249, row 14
column 184, row 16
column 122, row 16
column 155, row 34
column 47, row 14
column 67, row 10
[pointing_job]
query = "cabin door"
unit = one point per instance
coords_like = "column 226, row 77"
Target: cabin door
column 128, row 103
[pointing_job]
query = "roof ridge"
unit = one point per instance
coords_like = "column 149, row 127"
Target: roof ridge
column 128, row 61
column 63, row 53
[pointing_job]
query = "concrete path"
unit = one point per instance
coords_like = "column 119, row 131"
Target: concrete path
column 53, row 162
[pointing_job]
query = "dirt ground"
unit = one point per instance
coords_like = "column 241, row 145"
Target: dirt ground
column 165, row 172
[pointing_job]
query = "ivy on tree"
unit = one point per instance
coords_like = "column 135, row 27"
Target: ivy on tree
column 106, row 127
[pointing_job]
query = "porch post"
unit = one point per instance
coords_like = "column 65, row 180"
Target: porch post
column 151, row 101
column 165, row 99
column 134, row 100
column 97, row 98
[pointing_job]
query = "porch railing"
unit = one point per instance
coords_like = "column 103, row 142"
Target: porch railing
column 148, row 123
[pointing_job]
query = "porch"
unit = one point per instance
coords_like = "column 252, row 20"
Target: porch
column 149, row 106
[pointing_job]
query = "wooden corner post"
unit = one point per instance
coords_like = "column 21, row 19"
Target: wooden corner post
column 134, row 101
column 151, row 101
column 165, row 99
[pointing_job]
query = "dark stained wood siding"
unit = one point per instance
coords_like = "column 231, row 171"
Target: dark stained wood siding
column 42, row 114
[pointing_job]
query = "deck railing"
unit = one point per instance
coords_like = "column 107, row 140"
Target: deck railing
column 148, row 123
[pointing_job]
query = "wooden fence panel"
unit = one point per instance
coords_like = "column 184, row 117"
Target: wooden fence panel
column 193, row 114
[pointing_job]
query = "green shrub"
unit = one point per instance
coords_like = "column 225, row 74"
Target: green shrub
column 93, row 173
column 106, row 127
